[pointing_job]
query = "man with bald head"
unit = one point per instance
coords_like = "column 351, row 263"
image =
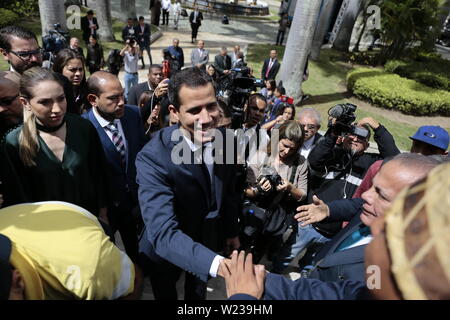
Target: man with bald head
column 121, row 132
column 343, row 257
column 10, row 105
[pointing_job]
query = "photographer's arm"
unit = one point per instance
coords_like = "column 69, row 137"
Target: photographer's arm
column 384, row 140
column 122, row 52
column 322, row 153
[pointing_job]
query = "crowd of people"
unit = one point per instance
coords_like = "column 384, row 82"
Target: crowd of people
column 190, row 170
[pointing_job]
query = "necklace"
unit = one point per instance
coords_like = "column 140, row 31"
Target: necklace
column 50, row 129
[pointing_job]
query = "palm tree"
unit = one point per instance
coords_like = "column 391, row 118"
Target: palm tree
column 51, row 12
column 127, row 9
column 326, row 11
column 298, row 46
column 103, row 12
column 345, row 23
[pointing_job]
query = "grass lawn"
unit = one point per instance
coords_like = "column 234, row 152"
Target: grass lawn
column 326, row 85
column 34, row 24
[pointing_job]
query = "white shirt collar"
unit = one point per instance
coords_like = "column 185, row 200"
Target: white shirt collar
column 195, row 146
column 102, row 121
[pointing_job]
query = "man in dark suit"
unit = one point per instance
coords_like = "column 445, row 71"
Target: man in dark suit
column 222, row 62
column 189, row 206
column 142, row 32
column 120, row 129
column 271, row 66
column 75, row 45
column 129, row 30
column 89, row 26
column 343, row 257
column 154, row 77
column 195, row 19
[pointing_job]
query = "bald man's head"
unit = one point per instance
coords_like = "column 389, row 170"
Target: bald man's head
column 105, row 93
column 97, row 81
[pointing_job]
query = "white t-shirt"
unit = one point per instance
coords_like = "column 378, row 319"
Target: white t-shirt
column 131, row 62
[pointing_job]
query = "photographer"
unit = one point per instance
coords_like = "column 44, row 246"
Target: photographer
column 131, row 54
column 337, row 171
column 276, row 183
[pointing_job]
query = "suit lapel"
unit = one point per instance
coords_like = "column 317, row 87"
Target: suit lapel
column 126, row 131
column 352, row 227
column 110, row 148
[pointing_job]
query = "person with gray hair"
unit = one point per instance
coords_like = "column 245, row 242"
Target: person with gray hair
column 309, row 119
column 222, row 62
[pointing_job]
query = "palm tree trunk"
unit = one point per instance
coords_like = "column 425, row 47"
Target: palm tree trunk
column 51, row 12
column 322, row 27
column 103, row 12
column 298, row 46
column 128, row 9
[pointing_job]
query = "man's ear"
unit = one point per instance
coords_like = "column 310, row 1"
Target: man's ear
column 4, row 54
column 174, row 111
column 92, row 98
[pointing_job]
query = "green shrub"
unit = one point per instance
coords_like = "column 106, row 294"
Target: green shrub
column 24, row 8
column 7, row 17
column 391, row 91
column 429, row 69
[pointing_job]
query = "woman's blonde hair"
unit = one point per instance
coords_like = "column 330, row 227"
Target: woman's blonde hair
column 28, row 137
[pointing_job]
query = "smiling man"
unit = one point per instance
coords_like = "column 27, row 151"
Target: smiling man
column 343, row 256
column 189, row 209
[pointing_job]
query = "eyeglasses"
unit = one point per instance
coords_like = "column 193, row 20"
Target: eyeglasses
column 358, row 138
column 26, row 55
column 7, row 101
column 309, row 126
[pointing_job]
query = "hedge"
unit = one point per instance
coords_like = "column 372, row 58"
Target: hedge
column 391, row 91
column 7, row 17
column 431, row 72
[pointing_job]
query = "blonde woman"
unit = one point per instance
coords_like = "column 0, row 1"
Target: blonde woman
column 53, row 155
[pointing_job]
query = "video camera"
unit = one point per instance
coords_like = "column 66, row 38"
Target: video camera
column 131, row 40
column 345, row 116
column 237, row 87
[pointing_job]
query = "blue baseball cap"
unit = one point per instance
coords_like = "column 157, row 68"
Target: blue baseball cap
column 433, row 135
column 5, row 267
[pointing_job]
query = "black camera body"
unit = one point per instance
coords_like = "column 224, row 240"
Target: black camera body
column 345, row 116
column 239, row 85
column 274, row 179
column 131, row 40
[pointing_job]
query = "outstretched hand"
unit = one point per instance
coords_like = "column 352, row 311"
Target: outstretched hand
column 241, row 276
column 312, row 213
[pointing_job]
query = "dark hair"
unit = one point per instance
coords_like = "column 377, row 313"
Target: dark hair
column 154, row 66
column 225, row 108
column 189, row 77
column 283, row 107
column 281, row 90
column 63, row 57
column 273, row 84
column 93, row 36
column 90, row 12
column 141, row 18
column 256, row 96
column 8, row 32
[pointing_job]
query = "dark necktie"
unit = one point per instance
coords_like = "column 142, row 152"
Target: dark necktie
column 118, row 142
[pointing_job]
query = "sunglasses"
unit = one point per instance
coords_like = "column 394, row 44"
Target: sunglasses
column 26, row 55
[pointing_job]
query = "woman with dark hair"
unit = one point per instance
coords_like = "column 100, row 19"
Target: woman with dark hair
column 282, row 195
column 70, row 64
column 285, row 113
column 94, row 56
column 211, row 70
column 268, row 90
column 53, row 155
